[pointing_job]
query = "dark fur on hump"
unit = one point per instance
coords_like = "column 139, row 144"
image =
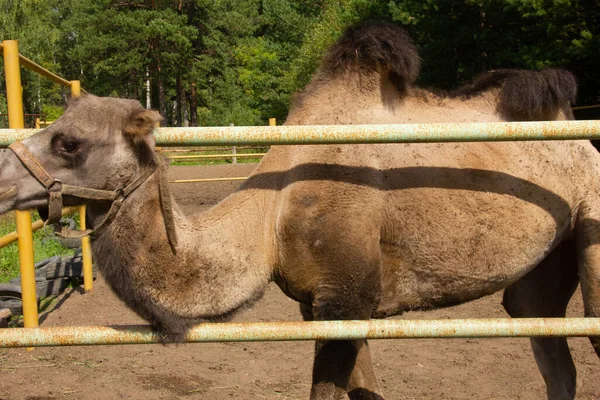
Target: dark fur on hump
column 526, row 95
column 369, row 46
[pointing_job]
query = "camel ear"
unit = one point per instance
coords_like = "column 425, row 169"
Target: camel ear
column 141, row 123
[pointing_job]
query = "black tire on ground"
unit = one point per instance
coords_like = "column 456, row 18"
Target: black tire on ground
column 15, row 306
column 10, row 297
column 69, row 243
column 41, row 268
column 8, row 290
column 52, row 287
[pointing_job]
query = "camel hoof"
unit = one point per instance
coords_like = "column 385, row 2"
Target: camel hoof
column 363, row 394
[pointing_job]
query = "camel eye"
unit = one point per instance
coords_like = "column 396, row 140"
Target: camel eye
column 70, row 147
column 66, row 147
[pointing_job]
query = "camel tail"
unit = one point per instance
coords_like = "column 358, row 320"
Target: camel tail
column 527, row 95
column 375, row 48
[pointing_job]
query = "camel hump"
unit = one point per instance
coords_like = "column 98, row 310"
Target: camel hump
column 537, row 95
column 374, row 47
column 527, row 95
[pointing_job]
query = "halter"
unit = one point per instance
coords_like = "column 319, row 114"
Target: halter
column 56, row 189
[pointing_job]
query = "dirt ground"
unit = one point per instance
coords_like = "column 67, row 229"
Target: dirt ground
column 409, row 369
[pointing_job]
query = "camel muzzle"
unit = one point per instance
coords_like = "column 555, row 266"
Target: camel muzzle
column 56, row 189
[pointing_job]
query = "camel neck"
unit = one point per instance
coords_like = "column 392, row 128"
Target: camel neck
column 220, row 264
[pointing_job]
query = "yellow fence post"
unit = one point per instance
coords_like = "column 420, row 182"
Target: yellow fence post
column 86, row 248
column 14, row 91
column 75, row 88
column 14, row 95
column 86, row 254
column 272, row 121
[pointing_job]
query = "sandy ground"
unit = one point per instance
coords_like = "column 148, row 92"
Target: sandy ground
column 409, row 369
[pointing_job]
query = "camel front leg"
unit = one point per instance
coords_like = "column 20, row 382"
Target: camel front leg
column 333, row 366
column 342, row 370
column 329, row 380
column 363, row 382
column 339, row 277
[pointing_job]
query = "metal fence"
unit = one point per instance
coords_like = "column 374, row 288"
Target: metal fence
column 319, row 330
column 334, row 329
column 315, row 330
column 13, row 62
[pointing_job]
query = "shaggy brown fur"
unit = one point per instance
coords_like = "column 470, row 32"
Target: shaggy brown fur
column 141, row 123
column 353, row 231
column 525, row 95
column 372, row 46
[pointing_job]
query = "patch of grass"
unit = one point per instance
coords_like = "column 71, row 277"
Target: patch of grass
column 44, row 246
column 210, row 161
column 215, row 162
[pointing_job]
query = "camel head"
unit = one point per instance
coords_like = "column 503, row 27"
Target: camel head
column 98, row 143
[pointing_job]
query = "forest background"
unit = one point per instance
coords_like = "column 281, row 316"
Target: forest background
column 217, row 62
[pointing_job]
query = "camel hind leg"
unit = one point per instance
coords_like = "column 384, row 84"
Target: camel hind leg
column 545, row 293
column 587, row 232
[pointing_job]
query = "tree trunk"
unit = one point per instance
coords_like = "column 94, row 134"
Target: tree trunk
column 193, row 106
column 134, row 88
column 162, row 108
column 148, row 90
column 180, row 100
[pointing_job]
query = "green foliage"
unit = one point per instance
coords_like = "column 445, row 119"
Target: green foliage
column 322, row 33
column 115, row 45
column 461, row 39
column 51, row 112
column 30, row 22
column 44, row 246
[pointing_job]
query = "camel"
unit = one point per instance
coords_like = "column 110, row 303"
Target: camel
column 348, row 231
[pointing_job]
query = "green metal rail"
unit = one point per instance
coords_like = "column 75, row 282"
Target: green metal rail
column 355, row 134
column 316, row 330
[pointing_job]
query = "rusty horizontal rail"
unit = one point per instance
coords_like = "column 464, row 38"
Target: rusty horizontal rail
column 402, row 133
column 586, row 107
column 315, row 330
column 236, row 178
column 212, row 148
column 355, row 134
column 8, row 136
column 203, row 156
